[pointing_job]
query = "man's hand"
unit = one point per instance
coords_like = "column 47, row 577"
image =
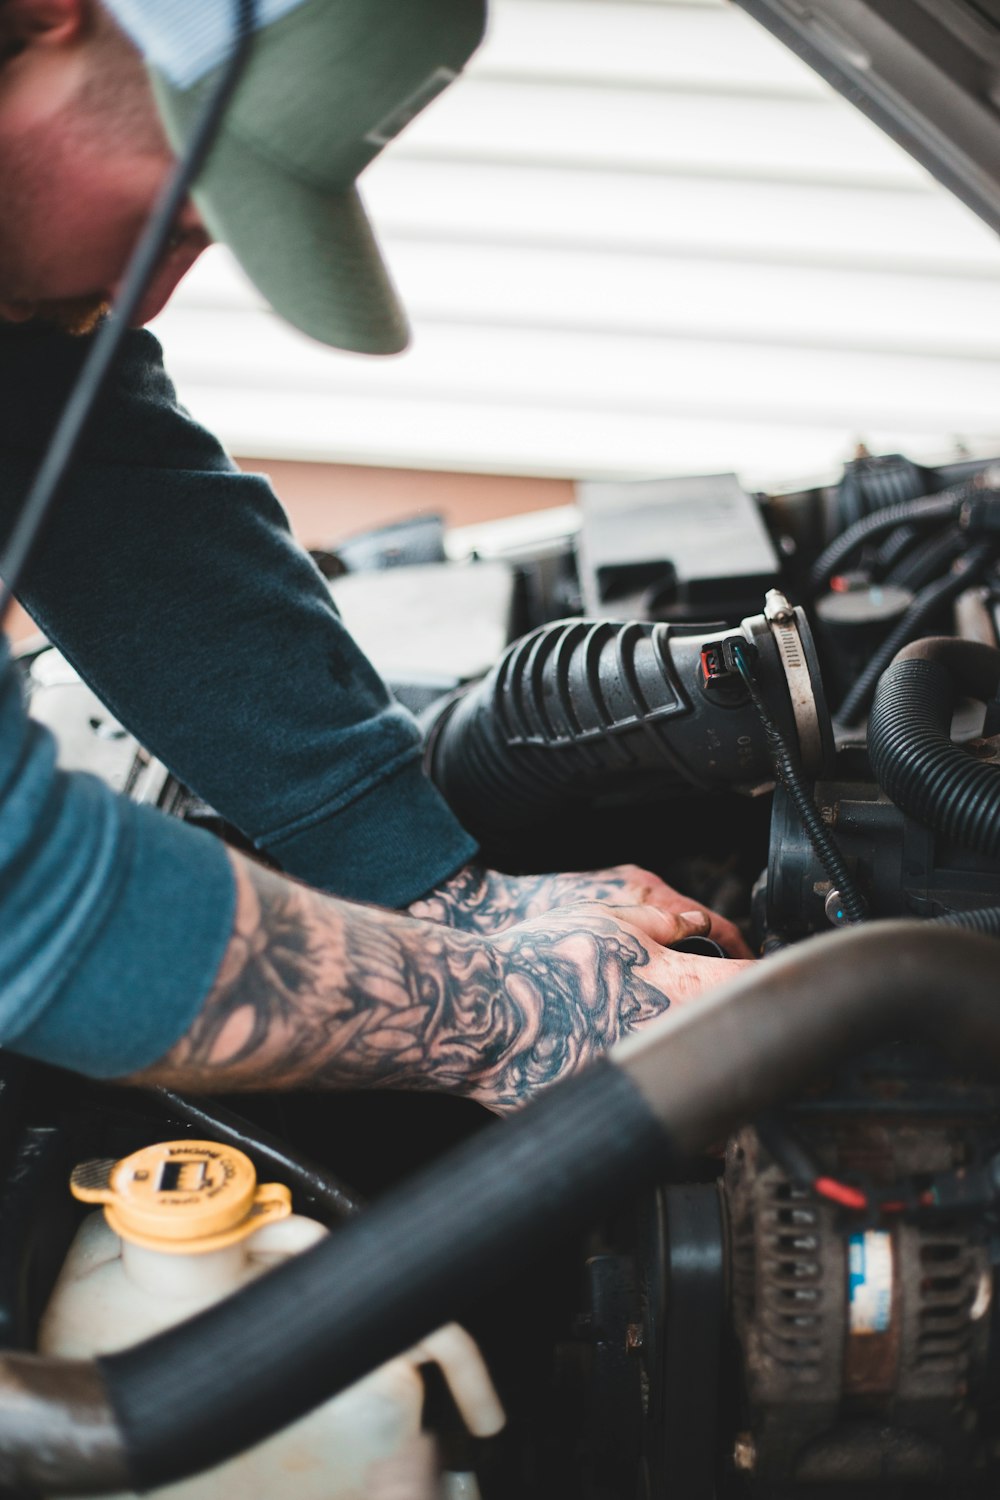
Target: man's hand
column 484, row 901
column 318, row 993
column 575, row 982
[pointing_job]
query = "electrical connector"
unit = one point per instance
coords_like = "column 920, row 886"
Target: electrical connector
column 719, row 659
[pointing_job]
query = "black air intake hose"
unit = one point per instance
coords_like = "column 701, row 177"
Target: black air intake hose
column 909, row 740
column 586, row 708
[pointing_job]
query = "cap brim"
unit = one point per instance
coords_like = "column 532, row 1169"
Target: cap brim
column 310, row 251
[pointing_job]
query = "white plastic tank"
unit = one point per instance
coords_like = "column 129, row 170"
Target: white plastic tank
column 185, row 1223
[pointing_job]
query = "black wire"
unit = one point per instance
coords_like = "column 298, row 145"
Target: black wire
column 787, row 772
column 76, row 413
column 781, row 1143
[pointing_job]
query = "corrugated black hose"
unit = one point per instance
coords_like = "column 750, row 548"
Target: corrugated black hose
column 895, row 547
column 929, row 510
column 913, row 757
column 985, row 920
column 929, row 559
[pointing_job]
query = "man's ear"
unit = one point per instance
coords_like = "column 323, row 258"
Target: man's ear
column 45, row 23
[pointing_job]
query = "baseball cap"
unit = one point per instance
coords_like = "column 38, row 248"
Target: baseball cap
column 328, row 84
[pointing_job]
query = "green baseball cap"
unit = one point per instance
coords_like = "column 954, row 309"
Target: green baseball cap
column 326, row 87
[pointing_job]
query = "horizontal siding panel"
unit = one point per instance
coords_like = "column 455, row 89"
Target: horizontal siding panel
column 918, row 225
column 514, row 438
column 682, row 297
column 460, row 366
column 637, row 237
column 607, row 292
column 711, row 47
column 805, row 139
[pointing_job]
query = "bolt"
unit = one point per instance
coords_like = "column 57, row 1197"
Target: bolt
column 744, row 1453
column 833, row 906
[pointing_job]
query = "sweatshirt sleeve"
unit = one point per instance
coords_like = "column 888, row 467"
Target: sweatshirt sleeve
column 172, row 583
column 113, row 919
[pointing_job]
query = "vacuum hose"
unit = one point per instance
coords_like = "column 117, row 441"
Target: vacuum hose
column 909, row 740
column 155, row 1413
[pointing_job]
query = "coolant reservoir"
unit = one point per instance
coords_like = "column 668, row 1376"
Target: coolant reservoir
column 184, row 1224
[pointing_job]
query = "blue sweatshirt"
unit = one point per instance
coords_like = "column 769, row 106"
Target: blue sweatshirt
column 171, row 582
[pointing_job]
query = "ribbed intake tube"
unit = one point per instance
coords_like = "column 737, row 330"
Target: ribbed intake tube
column 588, row 708
column 910, row 745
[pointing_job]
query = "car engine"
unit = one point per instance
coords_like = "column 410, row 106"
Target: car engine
column 789, row 706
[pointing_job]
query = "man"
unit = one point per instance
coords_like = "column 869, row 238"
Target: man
column 133, row 946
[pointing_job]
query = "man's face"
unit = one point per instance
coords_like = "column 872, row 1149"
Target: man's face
column 82, row 159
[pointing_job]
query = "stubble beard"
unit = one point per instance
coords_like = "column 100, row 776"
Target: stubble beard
column 76, row 316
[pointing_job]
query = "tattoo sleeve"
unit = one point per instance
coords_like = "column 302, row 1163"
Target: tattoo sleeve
column 316, row 992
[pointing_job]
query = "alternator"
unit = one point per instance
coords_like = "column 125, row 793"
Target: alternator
column 865, row 1340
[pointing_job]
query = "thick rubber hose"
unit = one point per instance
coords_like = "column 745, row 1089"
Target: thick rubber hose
column 412, row 1262
column 419, row 1256
column 923, row 609
column 911, row 750
column 749, row 1047
column 930, row 510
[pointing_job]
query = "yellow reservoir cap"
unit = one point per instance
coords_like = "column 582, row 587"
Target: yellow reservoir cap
column 182, row 1197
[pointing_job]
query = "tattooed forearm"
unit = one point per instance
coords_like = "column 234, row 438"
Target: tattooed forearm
column 314, row 992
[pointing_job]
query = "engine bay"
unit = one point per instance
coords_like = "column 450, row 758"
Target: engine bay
column 789, row 706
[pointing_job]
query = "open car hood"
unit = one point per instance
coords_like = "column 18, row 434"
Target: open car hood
column 926, row 71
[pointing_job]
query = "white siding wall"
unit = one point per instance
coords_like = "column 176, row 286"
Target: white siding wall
column 638, row 237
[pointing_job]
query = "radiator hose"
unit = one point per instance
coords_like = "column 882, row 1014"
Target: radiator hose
column 913, row 757
column 205, row 1389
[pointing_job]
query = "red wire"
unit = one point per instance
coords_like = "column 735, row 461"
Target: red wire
column 840, row 1192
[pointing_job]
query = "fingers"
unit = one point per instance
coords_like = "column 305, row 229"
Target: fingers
column 685, row 977
column 681, row 976
column 643, row 887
